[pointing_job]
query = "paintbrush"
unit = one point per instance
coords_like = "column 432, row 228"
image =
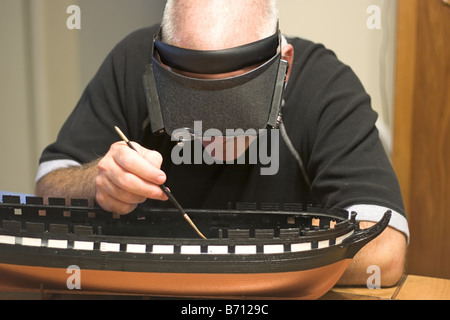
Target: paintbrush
column 165, row 190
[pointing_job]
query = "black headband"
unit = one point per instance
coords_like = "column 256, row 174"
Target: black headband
column 217, row 61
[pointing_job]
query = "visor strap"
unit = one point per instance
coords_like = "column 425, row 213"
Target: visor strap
column 218, row 61
column 278, row 94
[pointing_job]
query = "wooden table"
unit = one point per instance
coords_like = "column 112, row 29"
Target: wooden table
column 410, row 287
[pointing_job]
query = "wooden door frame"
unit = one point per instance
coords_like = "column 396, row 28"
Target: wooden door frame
column 404, row 93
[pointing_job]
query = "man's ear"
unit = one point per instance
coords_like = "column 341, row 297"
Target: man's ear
column 288, row 54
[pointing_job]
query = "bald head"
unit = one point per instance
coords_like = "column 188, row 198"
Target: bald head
column 218, row 24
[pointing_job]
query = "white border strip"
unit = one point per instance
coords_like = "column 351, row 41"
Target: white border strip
column 245, row 249
column 299, row 247
column 163, row 249
column 273, row 248
column 109, row 247
column 136, row 248
column 323, row 244
column 7, row 240
column 169, row 249
column 218, row 250
column 342, row 238
column 58, row 244
column 32, row 242
column 83, row 245
column 191, row 250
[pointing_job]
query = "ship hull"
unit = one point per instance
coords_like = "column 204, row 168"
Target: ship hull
column 249, row 253
column 304, row 284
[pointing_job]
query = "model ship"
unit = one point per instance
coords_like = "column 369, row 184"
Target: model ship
column 265, row 251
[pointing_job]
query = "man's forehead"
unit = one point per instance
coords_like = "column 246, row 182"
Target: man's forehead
column 217, row 25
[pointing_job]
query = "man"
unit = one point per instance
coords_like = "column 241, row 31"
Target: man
column 330, row 153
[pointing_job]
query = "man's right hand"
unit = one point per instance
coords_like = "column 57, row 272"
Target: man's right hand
column 127, row 178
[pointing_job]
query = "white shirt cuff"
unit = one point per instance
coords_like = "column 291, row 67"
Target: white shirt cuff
column 373, row 213
column 46, row 167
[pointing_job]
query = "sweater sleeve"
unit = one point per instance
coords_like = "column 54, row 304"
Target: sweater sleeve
column 337, row 136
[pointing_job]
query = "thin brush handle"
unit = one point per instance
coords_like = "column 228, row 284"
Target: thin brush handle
column 165, row 190
column 177, row 205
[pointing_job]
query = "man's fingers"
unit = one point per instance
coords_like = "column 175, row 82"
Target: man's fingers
column 138, row 163
column 112, row 204
column 107, row 186
column 123, row 184
column 126, row 178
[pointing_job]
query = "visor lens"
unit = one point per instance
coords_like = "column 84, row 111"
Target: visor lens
column 241, row 102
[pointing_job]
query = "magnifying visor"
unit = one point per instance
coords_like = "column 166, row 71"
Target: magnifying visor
column 244, row 103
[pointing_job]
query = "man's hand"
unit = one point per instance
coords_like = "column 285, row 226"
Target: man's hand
column 119, row 181
column 127, row 178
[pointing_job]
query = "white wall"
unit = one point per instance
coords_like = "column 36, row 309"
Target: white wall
column 106, row 22
column 44, row 66
column 16, row 139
